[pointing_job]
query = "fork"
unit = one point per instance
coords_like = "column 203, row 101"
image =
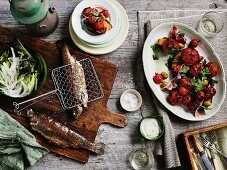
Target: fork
column 213, row 139
column 210, row 145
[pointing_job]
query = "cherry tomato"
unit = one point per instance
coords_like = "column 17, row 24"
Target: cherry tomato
column 180, row 39
column 194, row 43
column 99, row 25
column 196, row 69
column 190, row 56
column 88, row 11
column 186, row 99
column 213, row 69
column 173, row 97
column 200, row 95
column 173, row 31
column 173, row 43
column 183, row 91
column 185, row 82
column 91, row 19
column 158, row 79
column 106, row 13
column 209, row 92
column 176, row 68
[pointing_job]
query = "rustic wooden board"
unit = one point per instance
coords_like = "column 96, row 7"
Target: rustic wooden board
column 89, row 122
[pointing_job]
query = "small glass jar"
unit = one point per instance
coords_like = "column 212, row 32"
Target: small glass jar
column 142, row 159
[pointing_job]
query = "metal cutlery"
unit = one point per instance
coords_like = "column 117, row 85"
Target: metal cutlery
column 213, row 139
column 210, row 145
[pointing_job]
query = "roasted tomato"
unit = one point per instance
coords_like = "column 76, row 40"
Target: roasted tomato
column 186, row 99
column 88, row 11
column 194, row 43
column 185, row 82
column 183, row 91
column 106, row 13
column 173, row 43
column 200, row 95
column 173, row 31
column 158, row 79
column 196, row 69
column 213, row 69
column 173, row 97
column 180, row 39
column 193, row 105
column 164, row 43
column 176, row 67
column 190, row 56
column 209, row 92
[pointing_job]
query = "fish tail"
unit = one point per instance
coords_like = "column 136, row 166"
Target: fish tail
column 98, row 148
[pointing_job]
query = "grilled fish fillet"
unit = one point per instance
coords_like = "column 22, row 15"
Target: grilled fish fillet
column 60, row 134
column 77, row 77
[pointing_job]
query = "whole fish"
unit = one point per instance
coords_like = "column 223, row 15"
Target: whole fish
column 77, row 79
column 60, row 134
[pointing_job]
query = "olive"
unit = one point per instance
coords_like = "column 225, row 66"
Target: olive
column 164, row 75
column 181, row 45
column 207, row 103
column 164, row 83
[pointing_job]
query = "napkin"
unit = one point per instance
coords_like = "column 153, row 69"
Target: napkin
column 18, row 147
column 174, row 125
column 222, row 139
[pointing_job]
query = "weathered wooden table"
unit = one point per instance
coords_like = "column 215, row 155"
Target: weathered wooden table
column 120, row 142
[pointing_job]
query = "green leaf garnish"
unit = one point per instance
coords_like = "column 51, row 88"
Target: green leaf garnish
column 180, row 34
column 205, row 108
column 212, row 82
column 184, row 70
column 173, row 50
column 96, row 14
column 157, row 50
column 205, row 72
column 197, row 84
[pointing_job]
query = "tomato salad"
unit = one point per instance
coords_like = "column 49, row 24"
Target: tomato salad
column 96, row 20
column 192, row 83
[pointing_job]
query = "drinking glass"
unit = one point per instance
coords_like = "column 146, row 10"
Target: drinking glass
column 142, row 159
column 210, row 24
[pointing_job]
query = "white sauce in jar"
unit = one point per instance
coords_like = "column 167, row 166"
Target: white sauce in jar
column 150, row 128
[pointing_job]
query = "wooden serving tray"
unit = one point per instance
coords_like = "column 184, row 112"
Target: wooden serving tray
column 186, row 136
column 89, row 122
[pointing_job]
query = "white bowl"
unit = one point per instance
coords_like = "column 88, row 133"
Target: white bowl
column 96, row 39
column 125, row 104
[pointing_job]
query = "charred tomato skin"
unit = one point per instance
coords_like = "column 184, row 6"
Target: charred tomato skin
column 210, row 91
column 200, row 95
column 173, row 43
column 193, row 105
column 186, row 99
column 194, row 43
column 196, row 69
column 185, row 82
column 173, row 31
column 176, row 68
column 183, row 91
column 158, row 79
column 214, row 69
column 190, row 56
column 173, row 97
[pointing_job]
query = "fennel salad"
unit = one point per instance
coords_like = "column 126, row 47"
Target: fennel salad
column 20, row 70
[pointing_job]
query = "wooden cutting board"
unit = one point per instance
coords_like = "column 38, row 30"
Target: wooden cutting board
column 89, row 122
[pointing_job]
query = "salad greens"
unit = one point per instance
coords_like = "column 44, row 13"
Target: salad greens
column 19, row 70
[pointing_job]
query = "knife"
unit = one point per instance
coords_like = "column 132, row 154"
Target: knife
column 203, row 156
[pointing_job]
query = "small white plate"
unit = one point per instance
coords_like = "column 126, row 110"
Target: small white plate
column 120, row 37
column 96, row 39
column 156, row 66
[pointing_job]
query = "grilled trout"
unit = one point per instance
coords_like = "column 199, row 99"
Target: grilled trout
column 60, row 134
column 77, row 80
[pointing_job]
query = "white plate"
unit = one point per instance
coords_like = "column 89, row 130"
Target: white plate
column 152, row 66
column 120, row 38
column 96, row 39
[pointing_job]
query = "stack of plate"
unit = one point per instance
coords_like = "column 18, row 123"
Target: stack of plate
column 105, row 43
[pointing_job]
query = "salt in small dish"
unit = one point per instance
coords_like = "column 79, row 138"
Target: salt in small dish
column 131, row 100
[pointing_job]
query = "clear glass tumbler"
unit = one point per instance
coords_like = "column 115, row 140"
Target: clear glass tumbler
column 142, row 159
column 211, row 24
